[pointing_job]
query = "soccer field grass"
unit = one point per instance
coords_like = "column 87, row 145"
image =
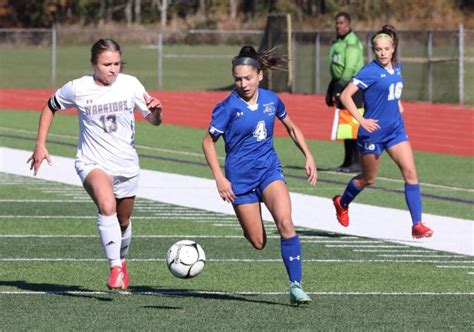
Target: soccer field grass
column 447, row 181
column 53, row 270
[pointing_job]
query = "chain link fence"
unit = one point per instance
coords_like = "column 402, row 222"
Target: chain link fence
column 438, row 64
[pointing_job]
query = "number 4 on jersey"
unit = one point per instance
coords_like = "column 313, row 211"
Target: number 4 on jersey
column 260, row 132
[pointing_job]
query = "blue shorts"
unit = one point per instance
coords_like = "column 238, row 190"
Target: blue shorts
column 365, row 146
column 255, row 195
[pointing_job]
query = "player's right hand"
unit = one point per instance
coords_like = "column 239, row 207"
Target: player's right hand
column 225, row 190
column 370, row 125
column 37, row 157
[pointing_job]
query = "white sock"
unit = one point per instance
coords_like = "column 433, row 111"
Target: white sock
column 126, row 239
column 110, row 236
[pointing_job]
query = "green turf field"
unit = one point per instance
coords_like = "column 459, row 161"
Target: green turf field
column 53, row 273
column 447, row 181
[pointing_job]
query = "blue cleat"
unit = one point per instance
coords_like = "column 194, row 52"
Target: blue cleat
column 297, row 294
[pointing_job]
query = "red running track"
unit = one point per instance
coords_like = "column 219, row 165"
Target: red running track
column 437, row 128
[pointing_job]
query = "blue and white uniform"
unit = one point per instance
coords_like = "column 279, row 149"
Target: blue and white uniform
column 251, row 160
column 382, row 91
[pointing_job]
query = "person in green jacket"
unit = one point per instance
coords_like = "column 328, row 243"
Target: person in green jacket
column 346, row 58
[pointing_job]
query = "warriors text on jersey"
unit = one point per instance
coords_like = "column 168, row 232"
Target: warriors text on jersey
column 382, row 91
column 106, row 120
column 248, row 135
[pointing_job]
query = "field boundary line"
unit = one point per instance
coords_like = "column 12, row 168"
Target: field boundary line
column 194, row 292
column 450, row 234
column 244, row 260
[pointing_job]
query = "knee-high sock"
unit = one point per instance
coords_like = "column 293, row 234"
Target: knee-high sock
column 413, row 199
column 110, row 236
column 291, row 254
column 350, row 193
column 126, row 239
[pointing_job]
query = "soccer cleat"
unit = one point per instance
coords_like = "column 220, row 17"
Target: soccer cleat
column 297, row 294
column 126, row 277
column 116, row 278
column 342, row 213
column 419, row 231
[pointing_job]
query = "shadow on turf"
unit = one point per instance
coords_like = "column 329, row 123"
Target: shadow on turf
column 187, row 293
column 320, row 234
column 73, row 291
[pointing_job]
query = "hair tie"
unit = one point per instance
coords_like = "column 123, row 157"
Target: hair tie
column 246, row 61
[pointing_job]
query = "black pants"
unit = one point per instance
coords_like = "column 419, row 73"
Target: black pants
column 351, row 153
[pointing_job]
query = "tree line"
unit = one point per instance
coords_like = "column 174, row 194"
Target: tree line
column 205, row 13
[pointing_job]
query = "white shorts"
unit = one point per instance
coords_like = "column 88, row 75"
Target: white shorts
column 122, row 186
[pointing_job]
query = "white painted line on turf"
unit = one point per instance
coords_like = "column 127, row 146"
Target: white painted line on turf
column 425, row 255
column 402, row 249
column 240, row 260
column 194, row 292
column 455, row 267
column 450, row 234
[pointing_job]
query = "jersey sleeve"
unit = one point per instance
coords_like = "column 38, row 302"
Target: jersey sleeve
column 139, row 99
column 219, row 122
column 280, row 109
column 364, row 78
column 63, row 98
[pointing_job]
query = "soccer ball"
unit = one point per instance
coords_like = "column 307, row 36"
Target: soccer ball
column 185, row 259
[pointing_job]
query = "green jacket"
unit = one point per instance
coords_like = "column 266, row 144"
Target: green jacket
column 346, row 58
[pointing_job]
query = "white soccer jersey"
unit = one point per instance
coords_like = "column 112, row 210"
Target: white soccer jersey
column 106, row 121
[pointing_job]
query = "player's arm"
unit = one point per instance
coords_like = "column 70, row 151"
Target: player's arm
column 156, row 109
column 223, row 185
column 346, row 98
column 297, row 136
column 40, row 152
column 400, row 106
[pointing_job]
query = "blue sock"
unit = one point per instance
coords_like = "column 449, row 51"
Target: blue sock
column 291, row 254
column 413, row 199
column 350, row 193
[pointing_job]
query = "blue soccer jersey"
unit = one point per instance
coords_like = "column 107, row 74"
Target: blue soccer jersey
column 382, row 90
column 248, row 135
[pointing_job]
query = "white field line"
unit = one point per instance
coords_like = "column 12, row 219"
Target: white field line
column 454, row 267
column 453, row 235
column 194, row 154
column 194, row 292
column 410, row 255
column 402, row 249
column 238, row 260
column 174, row 215
column 169, row 236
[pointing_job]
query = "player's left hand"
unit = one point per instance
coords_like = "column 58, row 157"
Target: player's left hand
column 311, row 171
column 153, row 104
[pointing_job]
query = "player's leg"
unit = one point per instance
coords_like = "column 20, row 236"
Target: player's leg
column 402, row 154
column 277, row 199
column 370, row 164
column 99, row 186
column 250, row 219
column 125, row 190
column 124, row 213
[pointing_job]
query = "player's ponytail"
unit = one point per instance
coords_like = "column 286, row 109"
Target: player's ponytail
column 263, row 60
column 389, row 31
